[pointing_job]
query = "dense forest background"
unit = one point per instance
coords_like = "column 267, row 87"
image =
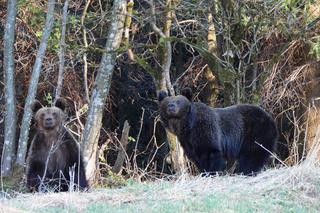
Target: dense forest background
column 226, row 51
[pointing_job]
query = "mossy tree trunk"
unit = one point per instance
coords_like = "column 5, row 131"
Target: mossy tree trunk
column 62, row 51
column 211, row 89
column 178, row 162
column 8, row 153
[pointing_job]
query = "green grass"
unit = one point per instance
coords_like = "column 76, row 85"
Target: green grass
column 295, row 189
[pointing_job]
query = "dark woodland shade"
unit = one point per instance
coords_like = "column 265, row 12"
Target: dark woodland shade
column 212, row 136
column 53, row 140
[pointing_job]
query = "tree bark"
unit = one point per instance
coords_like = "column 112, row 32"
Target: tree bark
column 176, row 152
column 312, row 114
column 166, row 57
column 8, row 153
column 62, row 50
column 211, row 89
column 85, row 42
column 101, row 88
column 27, row 113
column 117, row 168
column 127, row 29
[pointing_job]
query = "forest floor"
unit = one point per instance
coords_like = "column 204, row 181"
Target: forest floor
column 286, row 189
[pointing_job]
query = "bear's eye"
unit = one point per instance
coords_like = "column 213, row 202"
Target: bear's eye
column 178, row 101
column 41, row 115
column 54, row 114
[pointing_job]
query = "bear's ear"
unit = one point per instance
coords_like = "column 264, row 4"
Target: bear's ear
column 162, row 95
column 187, row 92
column 35, row 106
column 60, row 103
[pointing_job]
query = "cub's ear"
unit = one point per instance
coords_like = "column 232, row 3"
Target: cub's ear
column 35, row 106
column 162, row 95
column 60, row 103
column 187, row 92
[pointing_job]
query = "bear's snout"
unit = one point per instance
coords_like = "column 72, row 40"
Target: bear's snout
column 49, row 122
column 171, row 107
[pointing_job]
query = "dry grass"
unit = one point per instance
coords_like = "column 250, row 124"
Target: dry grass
column 285, row 189
column 278, row 185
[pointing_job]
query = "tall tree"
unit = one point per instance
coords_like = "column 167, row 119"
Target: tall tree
column 176, row 152
column 62, row 50
column 85, row 43
column 211, row 88
column 10, row 116
column 101, row 88
column 27, row 113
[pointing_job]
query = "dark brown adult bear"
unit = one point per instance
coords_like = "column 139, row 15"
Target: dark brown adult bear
column 54, row 160
column 212, row 136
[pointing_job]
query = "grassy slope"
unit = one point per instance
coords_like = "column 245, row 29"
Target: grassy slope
column 295, row 189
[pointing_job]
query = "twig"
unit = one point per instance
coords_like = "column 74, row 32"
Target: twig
column 271, row 154
column 137, row 141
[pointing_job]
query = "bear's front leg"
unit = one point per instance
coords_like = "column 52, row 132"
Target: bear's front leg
column 34, row 175
column 81, row 179
column 212, row 162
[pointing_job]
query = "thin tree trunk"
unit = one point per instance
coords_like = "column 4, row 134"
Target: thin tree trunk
column 218, row 30
column 210, row 90
column 8, row 153
column 62, row 50
column 101, row 88
column 117, row 168
column 312, row 114
column 176, row 152
column 127, row 29
column 165, row 82
column 27, row 113
column 167, row 52
column 85, row 42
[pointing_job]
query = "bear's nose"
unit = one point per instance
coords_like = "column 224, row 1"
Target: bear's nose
column 48, row 119
column 170, row 107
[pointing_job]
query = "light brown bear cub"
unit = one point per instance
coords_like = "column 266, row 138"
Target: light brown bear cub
column 53, row 152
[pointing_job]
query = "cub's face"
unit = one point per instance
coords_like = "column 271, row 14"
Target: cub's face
column 49, row 118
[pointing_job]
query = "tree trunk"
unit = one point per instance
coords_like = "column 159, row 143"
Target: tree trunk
column 127, row 29
column 211, row 89
column 101, row 88
column 85, row 42
column 27, row 113
column 117, row 168
column 62, row 50
column 8, row 153
column 176, row 152
column 167, row 50
column 312, row 115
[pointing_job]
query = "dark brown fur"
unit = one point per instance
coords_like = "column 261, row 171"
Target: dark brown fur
column 212, row 136
column 53, row 152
